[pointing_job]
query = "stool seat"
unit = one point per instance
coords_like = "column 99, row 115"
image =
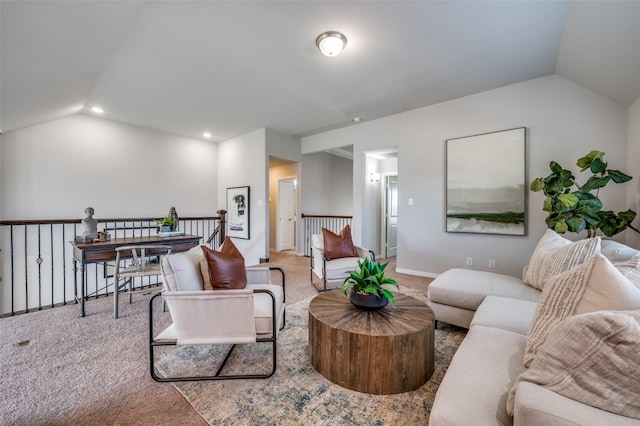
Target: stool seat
column 140, row 266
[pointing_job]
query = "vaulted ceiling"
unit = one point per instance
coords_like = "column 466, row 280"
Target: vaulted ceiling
column 230, row 67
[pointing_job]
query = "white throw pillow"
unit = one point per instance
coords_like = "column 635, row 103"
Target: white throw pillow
column 554, row 255
column 593, row 286
column 186, row 269
column 592, row 358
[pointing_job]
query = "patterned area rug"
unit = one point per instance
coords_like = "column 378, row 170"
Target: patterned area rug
column 296, row 393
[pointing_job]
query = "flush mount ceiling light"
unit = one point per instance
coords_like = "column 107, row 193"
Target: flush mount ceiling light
column 207, row 135
column 331, row 43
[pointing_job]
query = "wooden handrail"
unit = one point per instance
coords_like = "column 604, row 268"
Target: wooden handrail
column 99, row 220
column 329, row 216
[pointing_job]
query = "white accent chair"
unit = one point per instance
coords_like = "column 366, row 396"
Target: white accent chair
column 254, row 314
column 336, row 269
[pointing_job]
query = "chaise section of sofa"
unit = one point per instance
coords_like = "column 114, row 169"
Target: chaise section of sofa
column 456, row 294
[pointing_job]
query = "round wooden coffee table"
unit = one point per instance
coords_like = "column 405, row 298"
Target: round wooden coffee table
column 380, row 352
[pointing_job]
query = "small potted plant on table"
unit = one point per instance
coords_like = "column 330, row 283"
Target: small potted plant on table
column 366, row 284
column 166, row 224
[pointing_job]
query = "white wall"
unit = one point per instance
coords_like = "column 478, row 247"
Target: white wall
column 564, row 121
column 371, row 213
column 326, row 185
column 633, row 169
column 56, row 169
column 282, row 145
column 242, row 161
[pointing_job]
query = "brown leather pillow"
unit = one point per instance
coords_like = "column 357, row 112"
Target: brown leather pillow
column 226, row 267
column 337, row 246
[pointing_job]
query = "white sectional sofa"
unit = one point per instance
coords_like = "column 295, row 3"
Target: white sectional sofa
column 499, row 311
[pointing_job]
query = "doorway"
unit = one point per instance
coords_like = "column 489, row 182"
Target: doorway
column 286, row 214
column 391, row 215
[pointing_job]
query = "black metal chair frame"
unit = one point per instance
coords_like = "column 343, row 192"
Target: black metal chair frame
column 218, row 375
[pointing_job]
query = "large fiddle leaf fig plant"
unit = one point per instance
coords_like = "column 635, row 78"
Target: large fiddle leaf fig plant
column 573, row 207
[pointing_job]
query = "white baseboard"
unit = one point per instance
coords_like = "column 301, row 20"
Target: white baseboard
column 417, row 273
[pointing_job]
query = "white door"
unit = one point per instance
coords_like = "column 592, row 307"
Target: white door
column 391, row 216
column 286, row 215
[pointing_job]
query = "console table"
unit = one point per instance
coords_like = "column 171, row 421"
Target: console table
column 380, row 352
column 84, row 253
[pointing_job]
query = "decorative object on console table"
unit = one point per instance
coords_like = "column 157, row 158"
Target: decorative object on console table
column 366, row 284
column 238, row 211
column 580, row 209
column 173, row 215
column 486, row 183
column 90, row 227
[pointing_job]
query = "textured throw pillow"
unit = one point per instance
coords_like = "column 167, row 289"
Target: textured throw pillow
column 591, row 358
column 340, row 245
column 593, row 286
column 554, row 255
column 630, row 269
column 226, row 268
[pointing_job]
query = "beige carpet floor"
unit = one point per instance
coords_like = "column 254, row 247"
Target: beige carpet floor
column 59, row 369
column 296, row 393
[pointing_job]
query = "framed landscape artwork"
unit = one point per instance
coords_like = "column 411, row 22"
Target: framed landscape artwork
column 486, row 185
column 238, row 212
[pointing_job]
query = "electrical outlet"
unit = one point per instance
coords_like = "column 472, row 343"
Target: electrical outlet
column 469, row 261
column 492, row 264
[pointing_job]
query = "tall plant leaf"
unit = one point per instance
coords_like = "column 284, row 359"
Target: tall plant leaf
column 618, row 177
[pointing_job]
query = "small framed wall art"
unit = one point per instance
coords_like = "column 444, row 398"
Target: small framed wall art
column 238, row 212
column 486, row 186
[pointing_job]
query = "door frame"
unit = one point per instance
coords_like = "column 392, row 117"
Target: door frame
column 294, row 211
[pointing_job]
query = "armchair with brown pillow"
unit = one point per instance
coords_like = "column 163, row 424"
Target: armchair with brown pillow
column 214, row 300
column 333, row 255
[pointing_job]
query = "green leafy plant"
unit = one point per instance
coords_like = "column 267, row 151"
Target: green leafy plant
column 166, row 221
column 369, row 279
column 573, row 207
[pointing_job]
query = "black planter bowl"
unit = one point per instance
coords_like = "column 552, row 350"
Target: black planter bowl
column 368, row 301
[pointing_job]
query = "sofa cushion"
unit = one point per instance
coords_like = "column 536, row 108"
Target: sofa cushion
column 593, row 286
column 181, row 271
column 225, row 267
column 474, row 390
column 467, row 289
column 538, row 406
column 505, row 313
column 337, row 246
column 592, row 358
column 554, row 255
column 262, row 308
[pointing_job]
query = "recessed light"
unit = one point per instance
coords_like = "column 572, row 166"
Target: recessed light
column 356, row 119
column 206, row 135
column 97, row 110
